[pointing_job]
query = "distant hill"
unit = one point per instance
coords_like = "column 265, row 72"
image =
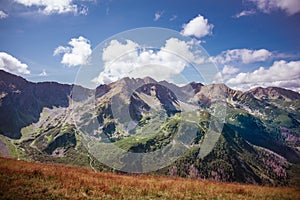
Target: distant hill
column 259, row 141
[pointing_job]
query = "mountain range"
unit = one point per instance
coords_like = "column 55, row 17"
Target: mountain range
column 258, row 140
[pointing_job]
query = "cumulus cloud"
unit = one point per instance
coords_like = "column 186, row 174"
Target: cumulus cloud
column 116, row 49
column 12, row 64
column 226, row 73
column 158, row 15
column 198, row 27
column 289, row 6
column 49, row 7
column 77, row 53
column 245, row 56
column 3, row 15
column 281, row 73
column 245, row 13
column 129, row 59
column 229, row 70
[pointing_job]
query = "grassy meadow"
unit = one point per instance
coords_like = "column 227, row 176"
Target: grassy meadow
column 28, row 180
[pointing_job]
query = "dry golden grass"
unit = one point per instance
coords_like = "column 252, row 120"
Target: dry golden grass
column 26, row 180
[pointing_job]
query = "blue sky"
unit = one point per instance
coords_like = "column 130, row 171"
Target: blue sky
column 253, row 42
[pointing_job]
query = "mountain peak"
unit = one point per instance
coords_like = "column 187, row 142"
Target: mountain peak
column 274, row 93
column 148, row 79
column 132, row 82
column 11, row 79
column 194, row 85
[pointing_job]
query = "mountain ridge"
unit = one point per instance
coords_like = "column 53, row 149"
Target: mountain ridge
column 258, row 144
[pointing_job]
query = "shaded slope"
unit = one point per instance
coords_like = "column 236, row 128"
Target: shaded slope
column 23, row 101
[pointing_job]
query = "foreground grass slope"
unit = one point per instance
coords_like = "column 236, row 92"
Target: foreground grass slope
column 25, row 180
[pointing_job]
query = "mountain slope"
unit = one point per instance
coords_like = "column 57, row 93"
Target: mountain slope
column 259, row 142
column 22, row 101
column 25, row 180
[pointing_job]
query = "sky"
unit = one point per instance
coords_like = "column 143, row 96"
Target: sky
column 251, row 42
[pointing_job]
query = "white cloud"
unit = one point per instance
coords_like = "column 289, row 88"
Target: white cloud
column 158, row 15
column 245, row 56
column 77, row 53
column 3, row 15
column 173, row 18
column 83, row 11
column 60, row 50
column 198, row 27
column 290, row 85
column 226, row 73
column 289, row 6
column 245, row 13
column 229, row 70
column 116, row 49
column 12, row 64
column 129, row 59
column 49, row 7
column 281, row 74
column 43, row 73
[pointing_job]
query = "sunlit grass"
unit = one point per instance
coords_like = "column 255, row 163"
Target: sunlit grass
column 21, row 179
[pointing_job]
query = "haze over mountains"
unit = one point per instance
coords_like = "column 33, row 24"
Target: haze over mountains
column 259, row 140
